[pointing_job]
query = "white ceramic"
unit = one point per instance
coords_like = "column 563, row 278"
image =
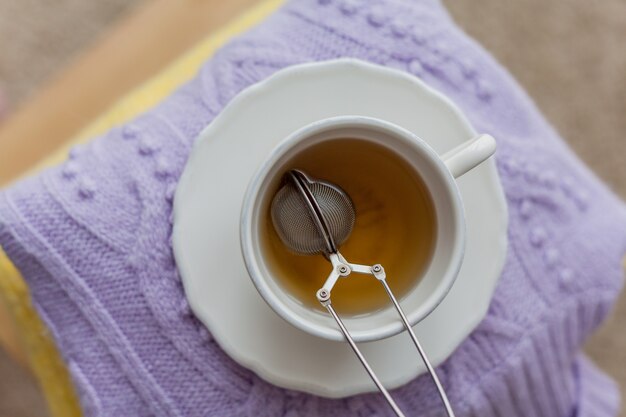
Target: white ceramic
column 207, row 211
column 439, row 176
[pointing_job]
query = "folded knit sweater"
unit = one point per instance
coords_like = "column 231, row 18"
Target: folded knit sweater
column 92, row 238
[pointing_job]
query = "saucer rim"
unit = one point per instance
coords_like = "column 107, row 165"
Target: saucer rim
column 250, row 362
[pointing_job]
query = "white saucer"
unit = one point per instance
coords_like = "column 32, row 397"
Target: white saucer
column 207, row 212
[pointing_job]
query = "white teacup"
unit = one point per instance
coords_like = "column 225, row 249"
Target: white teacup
column 438, row 174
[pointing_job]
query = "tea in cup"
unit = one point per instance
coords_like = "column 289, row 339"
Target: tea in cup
column 409, row 218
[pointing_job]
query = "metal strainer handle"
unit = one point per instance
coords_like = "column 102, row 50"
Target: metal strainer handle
column 316, row 217
column 342, row 268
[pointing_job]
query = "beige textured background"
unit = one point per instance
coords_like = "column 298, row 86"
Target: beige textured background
column 568, row 54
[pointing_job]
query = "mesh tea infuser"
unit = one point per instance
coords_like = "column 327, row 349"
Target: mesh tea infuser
column 314, row 217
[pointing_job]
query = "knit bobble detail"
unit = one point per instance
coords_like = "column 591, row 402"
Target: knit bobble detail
column 567, row 185
column 566, row 277
column 551, row 257
column 525, row 209
column 416, row 67
column 170, row 192
column 484, row 89
column 418, row 35
column 538, row 236
column 184, row 308
column 468, row 65
column 70, row 170
column 377, row 17
column 86, row 188
column 147, row 146
column 130, row 131
column 548, row 179
column 204, row 334
column 349, row 7
column 133, row 261
column 399, row 28
column 163, row 168
column 511, row 166
column 440, row 46
column 74, row 152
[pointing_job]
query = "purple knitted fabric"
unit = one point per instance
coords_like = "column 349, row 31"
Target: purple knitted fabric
column 92, row 239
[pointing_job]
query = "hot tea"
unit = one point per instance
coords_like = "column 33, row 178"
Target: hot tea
column 395, row 226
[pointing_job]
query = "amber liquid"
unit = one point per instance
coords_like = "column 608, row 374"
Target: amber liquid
column 395, row 226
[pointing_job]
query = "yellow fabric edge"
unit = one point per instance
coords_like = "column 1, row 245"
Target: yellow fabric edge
column 43, row 358
column 42, row 355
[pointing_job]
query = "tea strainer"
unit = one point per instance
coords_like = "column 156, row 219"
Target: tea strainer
column 313, row 217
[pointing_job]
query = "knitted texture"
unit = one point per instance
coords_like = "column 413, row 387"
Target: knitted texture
column 92, row 238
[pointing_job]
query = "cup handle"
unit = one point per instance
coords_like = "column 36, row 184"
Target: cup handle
column 469, row 154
